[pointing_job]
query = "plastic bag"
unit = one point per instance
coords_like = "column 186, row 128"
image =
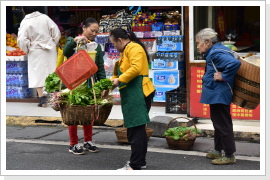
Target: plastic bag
column 91, row 46
column 60, row 57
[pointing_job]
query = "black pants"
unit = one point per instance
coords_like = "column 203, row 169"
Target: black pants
column 138, row 140
column 222, row 122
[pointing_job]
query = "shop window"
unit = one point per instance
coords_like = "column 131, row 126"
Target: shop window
column 240, row 25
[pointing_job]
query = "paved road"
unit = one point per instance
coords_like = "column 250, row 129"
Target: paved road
column 49, row 155
column 46, row 148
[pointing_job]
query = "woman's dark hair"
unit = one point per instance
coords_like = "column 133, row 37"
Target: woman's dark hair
column 31, row 9
column 87, row 22
column 125, row 34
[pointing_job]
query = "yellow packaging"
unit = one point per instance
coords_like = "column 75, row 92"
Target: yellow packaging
column 92, row 54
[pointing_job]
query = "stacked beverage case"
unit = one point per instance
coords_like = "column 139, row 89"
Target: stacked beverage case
column 168, row 65
column 17, row 78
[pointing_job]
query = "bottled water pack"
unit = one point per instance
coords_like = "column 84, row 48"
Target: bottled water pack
column 16, row 67
column 17, row 92
column 17, row 79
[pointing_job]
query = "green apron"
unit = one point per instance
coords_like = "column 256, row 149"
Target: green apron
column 133, row 103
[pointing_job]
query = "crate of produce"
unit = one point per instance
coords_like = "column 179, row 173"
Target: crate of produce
column 76, row 69
column 176, row 102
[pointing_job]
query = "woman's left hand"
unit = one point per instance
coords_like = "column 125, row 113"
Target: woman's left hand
column 81, row 39
column 105, row 93
column 218, row 76
column 116, row 83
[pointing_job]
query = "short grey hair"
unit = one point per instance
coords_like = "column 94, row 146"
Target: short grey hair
column 207, row 33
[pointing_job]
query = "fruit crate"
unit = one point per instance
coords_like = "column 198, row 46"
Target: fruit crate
column 176, row 102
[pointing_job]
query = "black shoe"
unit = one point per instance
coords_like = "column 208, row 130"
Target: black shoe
column 90, row 146
column 42, row 101
column 76, row 149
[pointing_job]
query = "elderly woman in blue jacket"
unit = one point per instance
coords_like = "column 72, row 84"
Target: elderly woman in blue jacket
column 217, row 91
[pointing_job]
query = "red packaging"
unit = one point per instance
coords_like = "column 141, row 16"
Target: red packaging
column 76, row 69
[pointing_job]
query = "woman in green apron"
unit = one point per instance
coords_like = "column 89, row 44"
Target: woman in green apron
column 136, row 91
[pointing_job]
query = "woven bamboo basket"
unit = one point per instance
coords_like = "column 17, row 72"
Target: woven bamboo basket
column 121, row 134
column 83, row 115
column 181, row 143
column 247, row 85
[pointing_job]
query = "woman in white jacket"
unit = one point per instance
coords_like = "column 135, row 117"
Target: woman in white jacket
column 38, row 36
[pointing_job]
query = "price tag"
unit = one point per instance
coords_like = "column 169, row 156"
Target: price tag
column 156, row 33
column 139, row 34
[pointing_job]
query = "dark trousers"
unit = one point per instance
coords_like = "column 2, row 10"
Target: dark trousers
column 138, row 140
column 222, row 122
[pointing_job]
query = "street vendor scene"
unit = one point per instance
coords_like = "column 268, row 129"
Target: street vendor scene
column 133, row 88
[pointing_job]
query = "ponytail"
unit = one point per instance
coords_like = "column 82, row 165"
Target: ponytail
column 126, row 34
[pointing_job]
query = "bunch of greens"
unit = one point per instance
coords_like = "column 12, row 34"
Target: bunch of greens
column 52, row 83
column 186, row 133
column 81, row 95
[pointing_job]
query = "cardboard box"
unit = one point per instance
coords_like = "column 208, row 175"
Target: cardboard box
column 168, row 78
column 170, row 43
column 160, row 95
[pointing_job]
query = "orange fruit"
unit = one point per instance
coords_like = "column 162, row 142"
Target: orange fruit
column 8, row 35
column 9, row 39
column 12, row 44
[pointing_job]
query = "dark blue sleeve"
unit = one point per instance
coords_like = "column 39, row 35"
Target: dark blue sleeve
column 227, row 64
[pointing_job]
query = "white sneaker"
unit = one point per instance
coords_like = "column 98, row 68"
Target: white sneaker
column 142, row 167
column 126, row 167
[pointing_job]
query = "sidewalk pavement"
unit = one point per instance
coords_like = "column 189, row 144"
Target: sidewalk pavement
column 26, row 114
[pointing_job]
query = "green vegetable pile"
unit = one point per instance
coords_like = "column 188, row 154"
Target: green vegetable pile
column 52, row 83
column 186, row 133
column 81, row 95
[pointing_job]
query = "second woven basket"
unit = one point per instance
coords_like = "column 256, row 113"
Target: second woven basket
column 121, row 134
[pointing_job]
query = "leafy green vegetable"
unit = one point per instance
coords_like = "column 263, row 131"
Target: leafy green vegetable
column 52, row 83
column 182, row 132
column 81, row 95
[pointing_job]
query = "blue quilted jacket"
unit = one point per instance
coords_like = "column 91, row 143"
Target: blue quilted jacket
column 219, row 92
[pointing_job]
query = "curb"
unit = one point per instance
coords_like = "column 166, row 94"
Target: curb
column 112, row 124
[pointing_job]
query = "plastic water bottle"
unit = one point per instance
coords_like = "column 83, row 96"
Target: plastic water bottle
column 7, row 92
column 20, row 66
column 7, row 79
column 15, row 92
column 14, row 79
column 10, row 92
column 25, row 79
column 13, row 67
column 21, row 93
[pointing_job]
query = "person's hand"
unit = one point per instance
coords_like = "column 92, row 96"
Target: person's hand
column 105, row 93
column 218, row 76
column 116, row 83
column 81, row 40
